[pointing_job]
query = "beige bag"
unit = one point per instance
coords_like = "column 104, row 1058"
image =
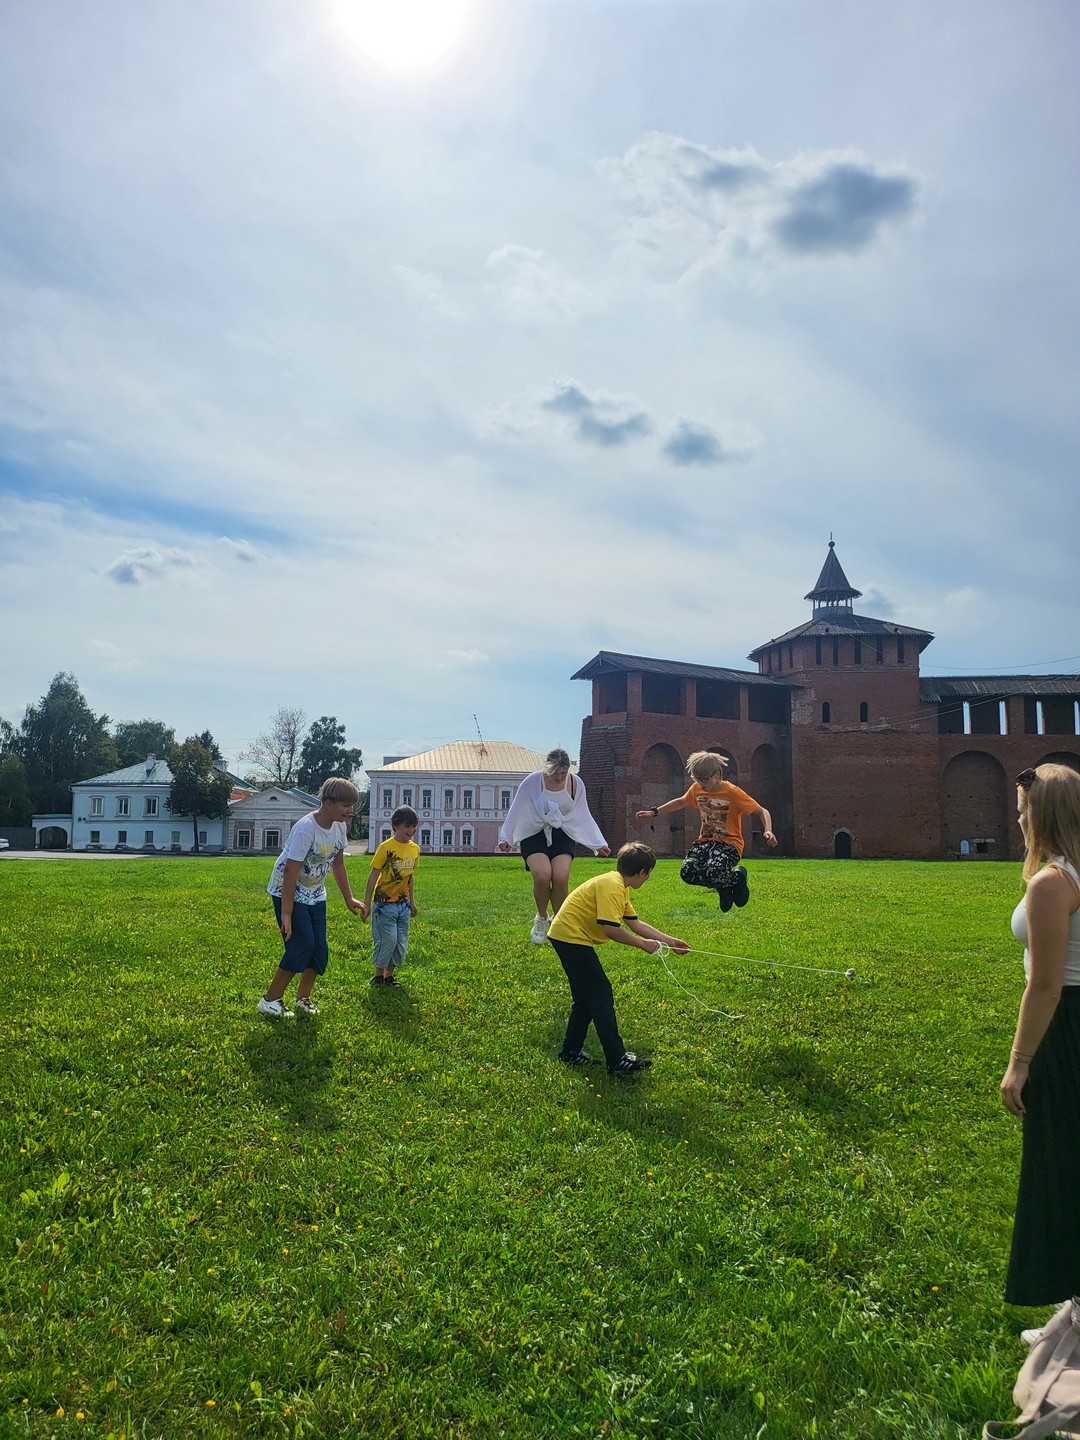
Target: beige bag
column 1048, row 1386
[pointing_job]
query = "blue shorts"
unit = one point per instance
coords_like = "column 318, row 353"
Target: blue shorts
column 306, row 947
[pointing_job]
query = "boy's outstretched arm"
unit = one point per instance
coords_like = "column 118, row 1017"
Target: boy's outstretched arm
column 644, row 936
column 766, row 825
column 666, row 808
column 341, row 875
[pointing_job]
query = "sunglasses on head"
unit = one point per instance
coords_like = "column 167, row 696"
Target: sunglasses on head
column 1026, row 779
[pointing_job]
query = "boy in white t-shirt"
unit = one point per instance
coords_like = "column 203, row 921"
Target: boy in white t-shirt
column 315, row 846
column 388, row 898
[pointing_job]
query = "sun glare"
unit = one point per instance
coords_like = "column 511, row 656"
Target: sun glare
column 408, row 37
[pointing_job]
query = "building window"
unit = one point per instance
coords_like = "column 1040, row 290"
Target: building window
column 95, row 837
column 272, row 840
column 899, row 649
column 880, row 656
column 504, row 799
column 817, row 651
column 123, row 805
column 835, row 651
column 97, row 805
column 448, row 799
column 864, row 713
column 243, row 839
column 176, row 837
column 447, row 839
column 406, row 795
column 466, row 839
column 426, row 800
column 858, row 652
column 202, row 837
column 385, row 833
column 121, row 837
column 387, row 798
column 466, row 800
column 425, row 837
column 150, row 805
column 148, row 837
column 826, row 713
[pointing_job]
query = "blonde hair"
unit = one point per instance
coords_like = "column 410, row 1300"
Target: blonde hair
column 1052, row 809
column 704, row 764
column 337, row 788
column 556, row 760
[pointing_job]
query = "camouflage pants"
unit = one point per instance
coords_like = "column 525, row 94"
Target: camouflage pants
column 711, row 863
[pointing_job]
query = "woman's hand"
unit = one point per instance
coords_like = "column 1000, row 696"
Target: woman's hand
column 1012, row 1087
column 604, row 850
column 504, row 846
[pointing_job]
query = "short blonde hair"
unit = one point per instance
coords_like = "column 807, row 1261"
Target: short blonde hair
column 704, row 764
column 1052, row 806
column 337, row 788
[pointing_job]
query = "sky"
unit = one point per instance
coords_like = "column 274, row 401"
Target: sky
column 388, row 360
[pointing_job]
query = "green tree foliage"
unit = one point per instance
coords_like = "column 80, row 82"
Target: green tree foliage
column 135, row 739
column 15, row 806
column 209, row 743
column 62, row 741
column 197, row 788
column 324, row 753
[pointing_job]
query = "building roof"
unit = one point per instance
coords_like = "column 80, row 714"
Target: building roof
column 609, row 662
column 832, row 586
column 501, row 757
column 141, row 774
column 845, row 622
column 985, row 687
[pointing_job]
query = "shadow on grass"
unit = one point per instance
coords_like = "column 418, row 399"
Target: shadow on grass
column 393, row 1008
column 800, row 1076
column 292, row 1066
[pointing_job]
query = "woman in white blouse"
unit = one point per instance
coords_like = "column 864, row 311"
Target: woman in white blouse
column 1042, row 1084
column 549, row 815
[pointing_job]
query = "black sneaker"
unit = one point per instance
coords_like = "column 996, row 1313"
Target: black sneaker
column 575, row 1057
column 741, row 892
column 393, row 981
column 727, row 897
column 630, row 1064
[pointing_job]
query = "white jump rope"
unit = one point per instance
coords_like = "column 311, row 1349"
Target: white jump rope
column 663, row 951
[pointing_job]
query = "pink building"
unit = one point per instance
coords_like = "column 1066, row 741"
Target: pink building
column 460, row 791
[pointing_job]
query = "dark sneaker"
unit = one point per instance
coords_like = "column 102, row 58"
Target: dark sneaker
column 394, row 981
column 727, row 897
column 575, row 1057
column 630, row 1064
column 378, row 980
column 741, row 892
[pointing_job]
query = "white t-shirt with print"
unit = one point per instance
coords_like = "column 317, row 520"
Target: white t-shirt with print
column 318, row 847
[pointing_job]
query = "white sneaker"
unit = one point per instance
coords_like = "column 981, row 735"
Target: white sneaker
column 303, row 1008
column 538, row 933
column 1031, row 1337
column 273, row 1009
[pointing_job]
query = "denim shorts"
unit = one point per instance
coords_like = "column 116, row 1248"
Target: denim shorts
column 306, row 947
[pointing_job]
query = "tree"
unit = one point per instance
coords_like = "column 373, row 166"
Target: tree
column 15, row 806
column 197, row 788
column 209, row 743
column 62, row 741
column 324, row 753
column 276, row 753
column 9, row 739
column 135, row 739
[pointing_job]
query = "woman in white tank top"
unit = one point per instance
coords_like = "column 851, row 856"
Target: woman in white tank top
column 1042, row 1083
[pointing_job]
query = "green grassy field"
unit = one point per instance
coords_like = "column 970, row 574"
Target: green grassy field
column 406, row 1219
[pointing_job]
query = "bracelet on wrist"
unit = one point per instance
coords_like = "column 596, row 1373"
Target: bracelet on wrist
column 1023, row 1059
column 655, row 811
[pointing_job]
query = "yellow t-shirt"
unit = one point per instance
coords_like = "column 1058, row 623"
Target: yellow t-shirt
column 397, row 862
column 721, row 812
column 604, row 897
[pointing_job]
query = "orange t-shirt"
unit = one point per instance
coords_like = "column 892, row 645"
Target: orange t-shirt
column 721, row 812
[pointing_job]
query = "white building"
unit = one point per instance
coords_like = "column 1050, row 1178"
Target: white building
column 261, row 819
column 128, row 810
column 461, row 793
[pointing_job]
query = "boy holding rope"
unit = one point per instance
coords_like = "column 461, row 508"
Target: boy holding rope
column 714, row 857
column 591, row 915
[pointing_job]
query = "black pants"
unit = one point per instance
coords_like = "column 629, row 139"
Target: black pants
column 593, row 1001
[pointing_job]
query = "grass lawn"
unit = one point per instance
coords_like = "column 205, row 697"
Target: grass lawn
column 406, row 1219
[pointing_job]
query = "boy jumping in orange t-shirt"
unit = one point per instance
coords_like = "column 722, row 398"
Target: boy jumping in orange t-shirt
column 714, row 857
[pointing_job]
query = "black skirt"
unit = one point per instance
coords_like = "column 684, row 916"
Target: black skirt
column 1044, row 1266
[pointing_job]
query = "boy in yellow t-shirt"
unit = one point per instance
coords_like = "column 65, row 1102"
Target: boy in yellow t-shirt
column 589, row 916
column 714, row 857
column 388, row 898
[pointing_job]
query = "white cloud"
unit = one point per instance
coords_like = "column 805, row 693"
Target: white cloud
column 147, row 562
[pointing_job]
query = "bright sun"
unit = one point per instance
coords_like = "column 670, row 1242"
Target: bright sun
column 409, row 37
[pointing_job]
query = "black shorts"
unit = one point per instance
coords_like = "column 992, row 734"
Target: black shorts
column 561, row 844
